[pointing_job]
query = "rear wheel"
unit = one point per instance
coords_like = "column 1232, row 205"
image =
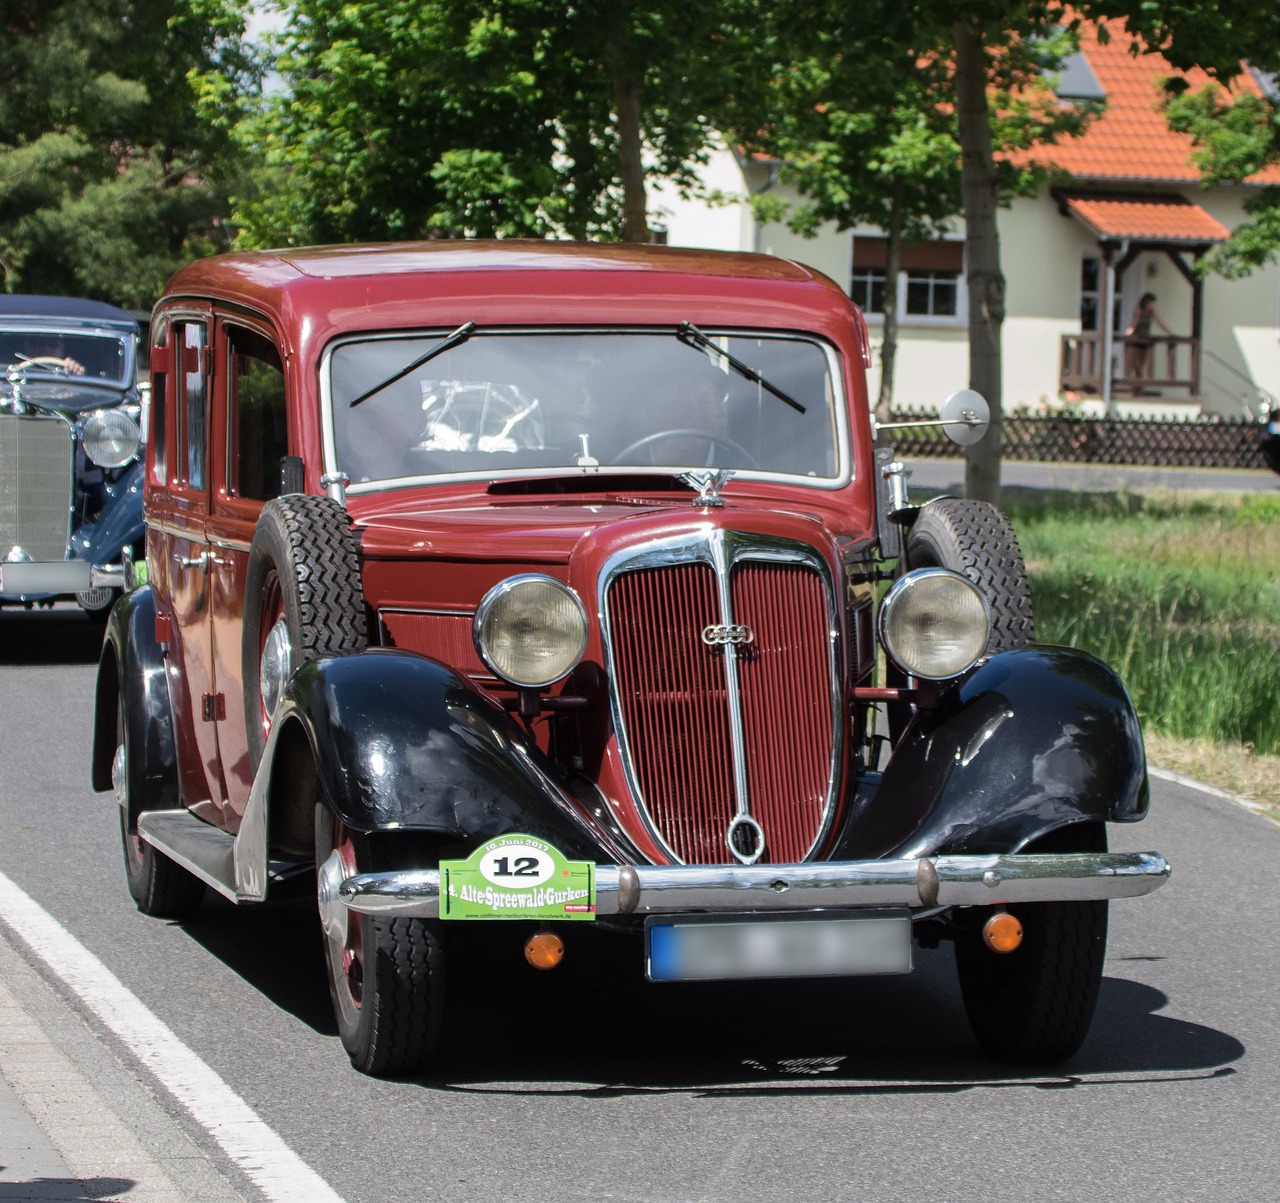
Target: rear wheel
column 386, row 976
column 158, row 885
column 1033, row 1006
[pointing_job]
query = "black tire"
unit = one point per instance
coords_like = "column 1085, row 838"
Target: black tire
column 157, row 885
column 976, row 539
column 386, row 976
column 303, row 564
column 1033, row 1006
column 1271, row 453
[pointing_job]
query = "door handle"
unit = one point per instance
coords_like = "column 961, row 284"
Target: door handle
column 203, row 560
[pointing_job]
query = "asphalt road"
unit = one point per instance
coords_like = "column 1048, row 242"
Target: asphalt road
column 589, row 1084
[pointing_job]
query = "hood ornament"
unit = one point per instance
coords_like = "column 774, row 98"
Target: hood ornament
column 708, row 485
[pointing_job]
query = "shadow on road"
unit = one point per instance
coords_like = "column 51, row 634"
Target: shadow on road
column 596, row 1027
column 63, row 635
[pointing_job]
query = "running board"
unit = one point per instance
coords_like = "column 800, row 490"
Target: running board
column 203, row 850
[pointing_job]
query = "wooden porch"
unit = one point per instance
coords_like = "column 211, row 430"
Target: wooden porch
column 1175, row 364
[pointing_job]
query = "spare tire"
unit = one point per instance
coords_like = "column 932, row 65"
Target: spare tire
column 977, row 540
column 303, row 599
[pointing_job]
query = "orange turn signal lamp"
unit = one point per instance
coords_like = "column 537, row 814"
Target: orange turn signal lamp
column 1002, row 932
column 544, row 950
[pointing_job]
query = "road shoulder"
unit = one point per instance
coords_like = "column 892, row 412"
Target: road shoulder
column 84, row 1127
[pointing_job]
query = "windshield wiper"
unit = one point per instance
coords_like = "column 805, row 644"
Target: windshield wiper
column 688, row 333
column 460, row 335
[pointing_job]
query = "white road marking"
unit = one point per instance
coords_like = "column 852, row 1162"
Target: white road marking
column 266, row 1160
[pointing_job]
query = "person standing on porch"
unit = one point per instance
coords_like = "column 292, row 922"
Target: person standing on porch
column 1139, row 341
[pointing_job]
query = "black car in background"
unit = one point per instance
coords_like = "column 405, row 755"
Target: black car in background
column 70, row 444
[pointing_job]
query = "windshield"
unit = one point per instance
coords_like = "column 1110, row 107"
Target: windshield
column 584, row 401
column 62, row 353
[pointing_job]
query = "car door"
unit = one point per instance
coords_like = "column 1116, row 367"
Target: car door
column 251, row 436
column 179, row 555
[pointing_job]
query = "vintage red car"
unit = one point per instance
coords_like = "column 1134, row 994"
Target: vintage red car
column 543, row 584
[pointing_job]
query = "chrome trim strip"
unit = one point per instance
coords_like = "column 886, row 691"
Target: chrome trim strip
column 838, row 407
column 932, row 883
column 721, row 549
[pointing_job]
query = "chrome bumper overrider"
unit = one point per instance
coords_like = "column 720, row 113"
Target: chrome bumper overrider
column 931, row 882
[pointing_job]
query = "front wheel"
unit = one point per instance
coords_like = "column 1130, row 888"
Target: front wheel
column 1033, row 1006
column 386, row 976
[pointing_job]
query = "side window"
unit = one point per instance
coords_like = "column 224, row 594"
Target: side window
column 193, row 402
column 256, row 405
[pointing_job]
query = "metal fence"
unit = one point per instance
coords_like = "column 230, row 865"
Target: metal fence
column 1158, row 441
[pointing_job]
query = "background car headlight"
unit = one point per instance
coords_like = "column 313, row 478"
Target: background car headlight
column 531, row 630
column 934, row 623
column 111, row 438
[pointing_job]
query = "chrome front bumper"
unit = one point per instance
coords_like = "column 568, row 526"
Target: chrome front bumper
column 940, row 881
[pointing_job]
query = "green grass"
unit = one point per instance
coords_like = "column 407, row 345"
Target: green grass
column 1179, row 593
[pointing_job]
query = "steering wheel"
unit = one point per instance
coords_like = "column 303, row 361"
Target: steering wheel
column 52, row 362
column 686, row 432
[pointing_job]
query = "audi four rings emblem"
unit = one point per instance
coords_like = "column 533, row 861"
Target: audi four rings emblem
column 722, row 633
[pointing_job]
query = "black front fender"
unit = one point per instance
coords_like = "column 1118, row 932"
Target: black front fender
column 402, row 742
column 131, row 673
column 1036, row 739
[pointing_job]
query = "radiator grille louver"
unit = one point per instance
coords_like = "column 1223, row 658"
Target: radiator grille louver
column 36, row 486
column 675, row 715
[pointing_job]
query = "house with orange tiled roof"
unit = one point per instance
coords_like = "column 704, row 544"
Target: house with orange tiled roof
column 1123, row 215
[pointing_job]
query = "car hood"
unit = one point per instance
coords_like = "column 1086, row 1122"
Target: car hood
column 545, row 532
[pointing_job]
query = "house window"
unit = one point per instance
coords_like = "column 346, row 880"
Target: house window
column 867, row 288
column 1090, row 293
column 928, row 279
column 932, row 293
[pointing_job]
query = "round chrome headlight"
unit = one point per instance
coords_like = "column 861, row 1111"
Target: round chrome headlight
column 934, row 623
column 111, row 438
column 531, row 630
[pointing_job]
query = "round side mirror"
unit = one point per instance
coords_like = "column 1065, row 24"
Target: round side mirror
column 965, row 417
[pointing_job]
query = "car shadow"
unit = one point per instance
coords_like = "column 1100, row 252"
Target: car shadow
column 596, row 1027
column 62, row 635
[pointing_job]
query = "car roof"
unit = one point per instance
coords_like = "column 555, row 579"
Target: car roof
column 26, row 305
column 317, row 292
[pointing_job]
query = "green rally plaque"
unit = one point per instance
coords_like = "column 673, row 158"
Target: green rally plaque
column 517, row 877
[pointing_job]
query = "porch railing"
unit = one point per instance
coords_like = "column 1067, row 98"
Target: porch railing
column 1174, row 363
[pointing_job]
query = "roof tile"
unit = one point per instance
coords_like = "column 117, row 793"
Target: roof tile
column 1131, row 141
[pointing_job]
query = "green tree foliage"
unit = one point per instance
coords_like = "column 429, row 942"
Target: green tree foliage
column 104, row 173
column 1234, row 139
column 421, row 118
column 867, row 129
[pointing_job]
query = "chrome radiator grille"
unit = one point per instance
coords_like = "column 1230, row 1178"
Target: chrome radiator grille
column 719, row 733
column 37, row 475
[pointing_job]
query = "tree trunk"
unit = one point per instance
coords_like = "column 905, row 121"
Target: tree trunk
column 626, row 104
column 889, row 331
column 986, row 283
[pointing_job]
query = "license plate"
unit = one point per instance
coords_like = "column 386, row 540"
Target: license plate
column 839, row 945
column 61, row 576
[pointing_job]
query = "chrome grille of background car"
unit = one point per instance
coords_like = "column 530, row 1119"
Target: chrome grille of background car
column 674, row 701
column 37, row 479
